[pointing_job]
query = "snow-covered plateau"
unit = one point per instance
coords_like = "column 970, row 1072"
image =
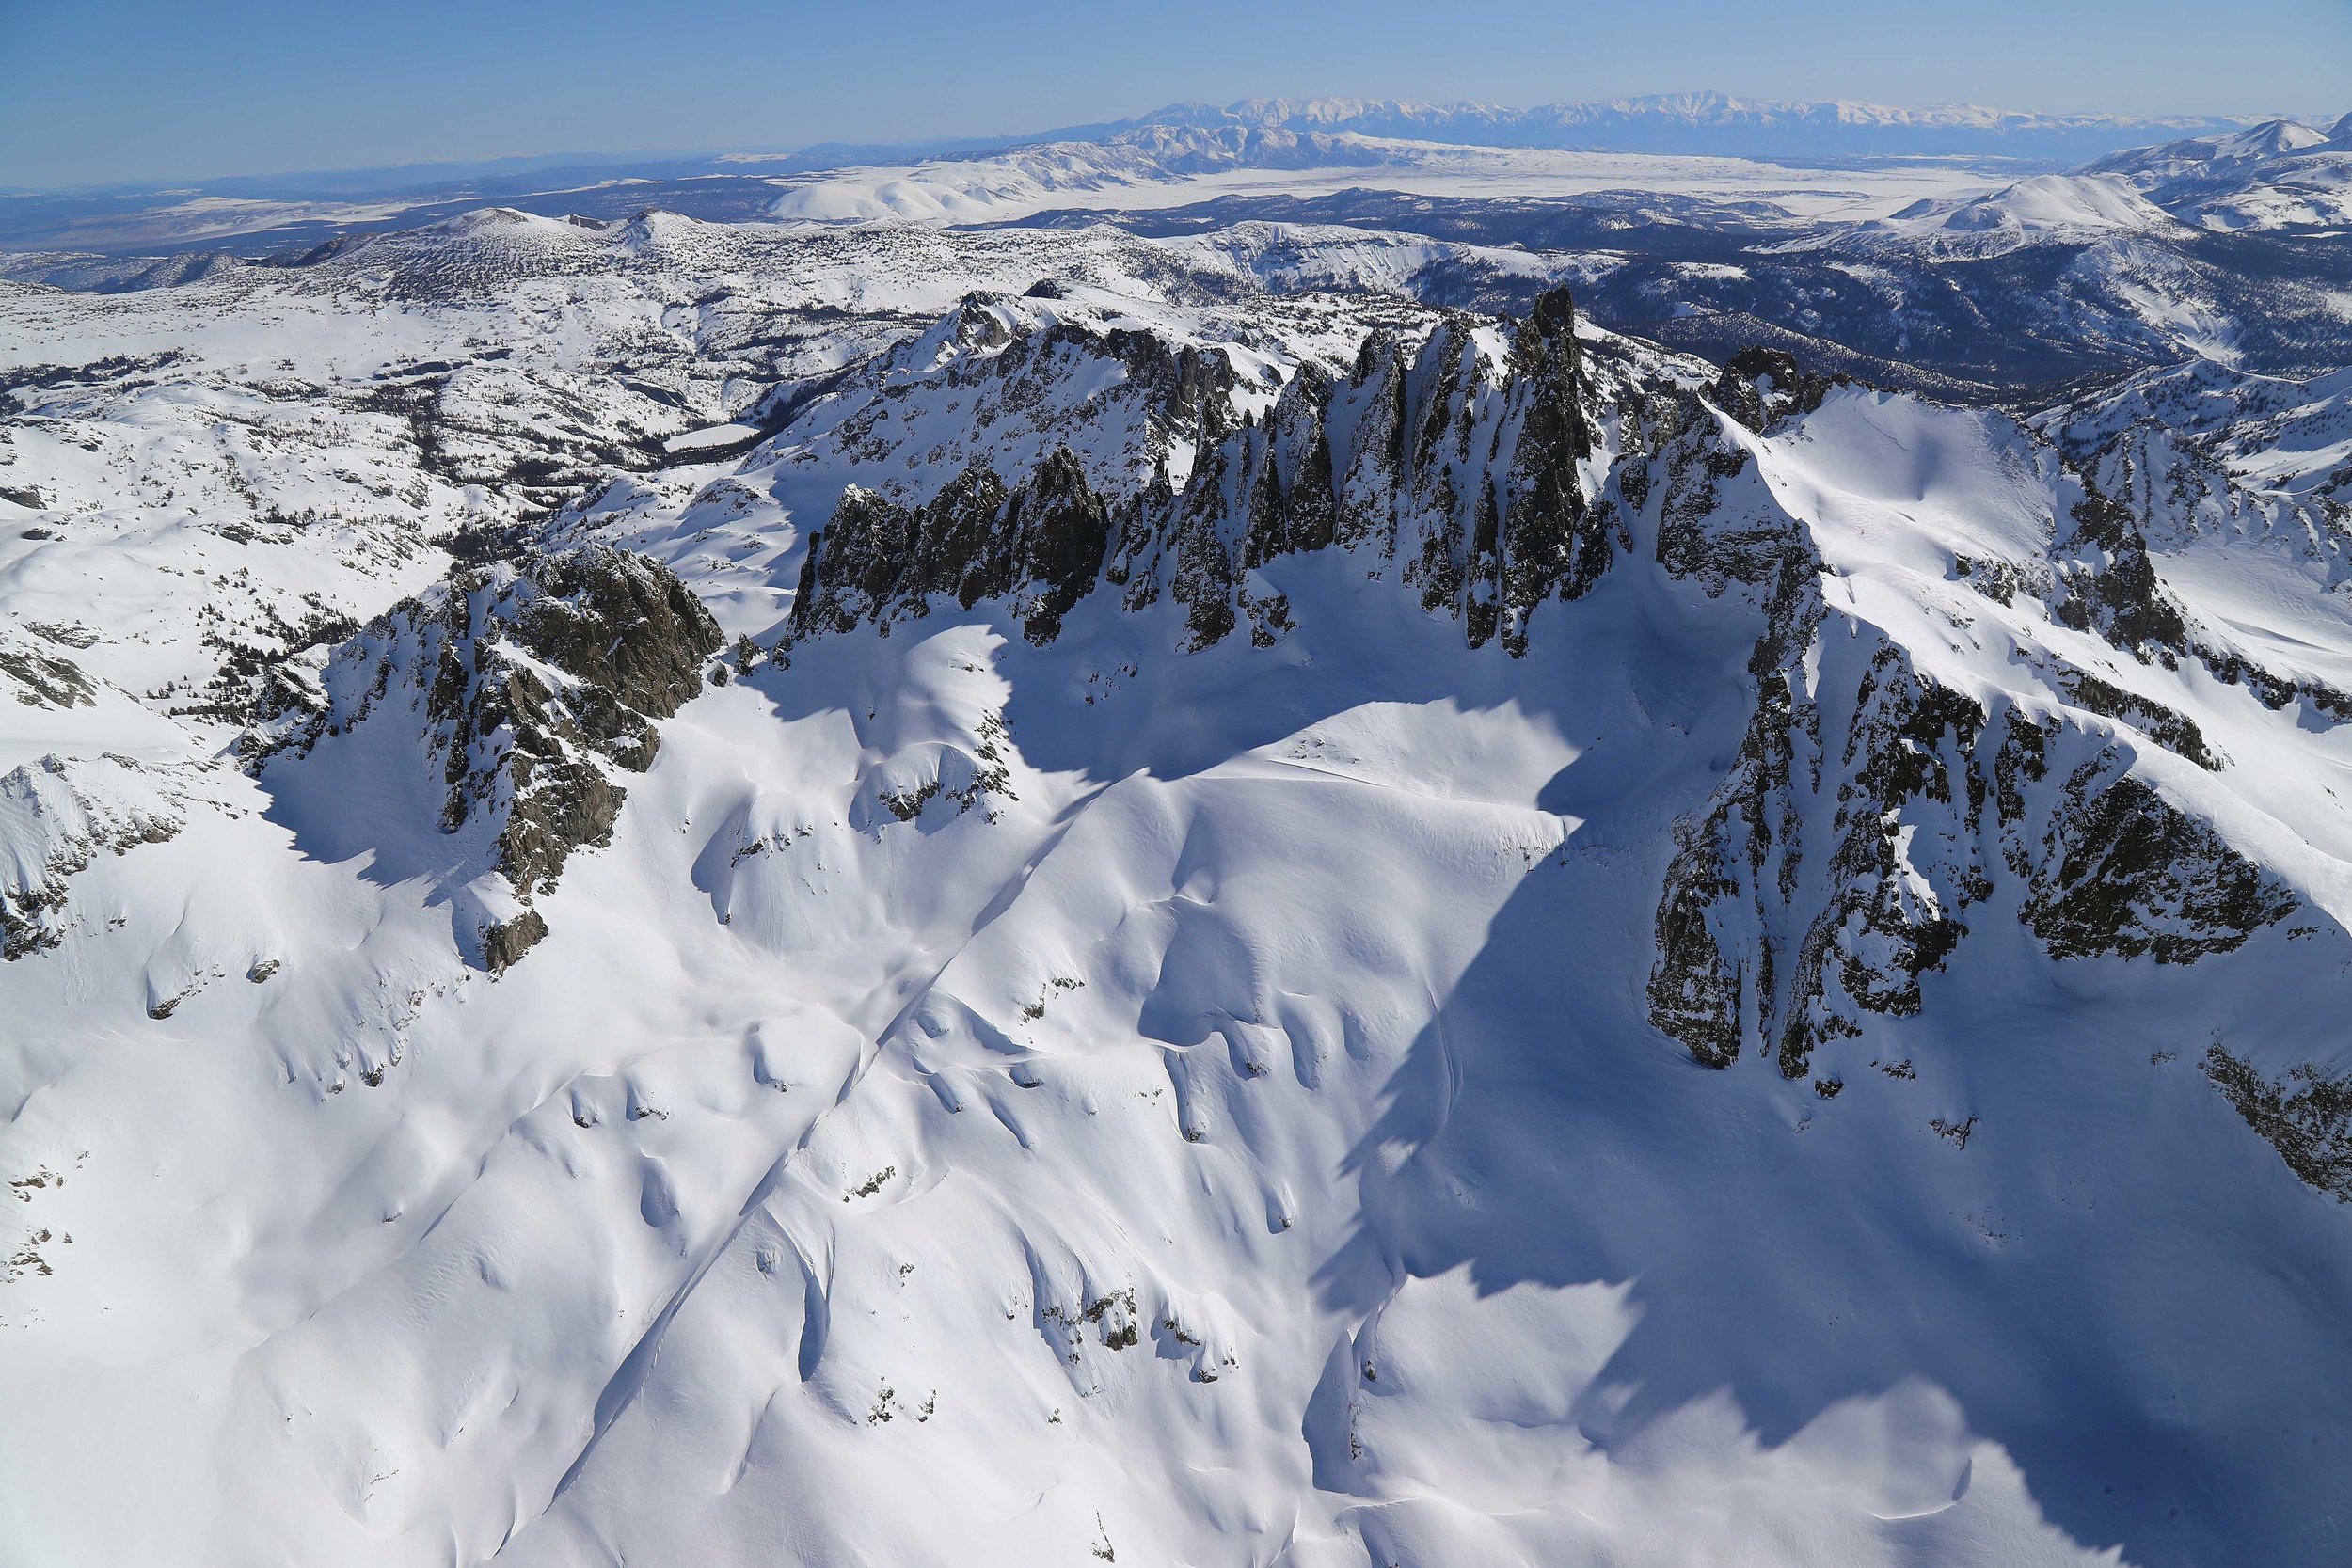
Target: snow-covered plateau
column 870, row 891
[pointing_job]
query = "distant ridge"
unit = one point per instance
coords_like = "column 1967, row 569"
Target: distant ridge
column 305, row 208
column 1718, row 123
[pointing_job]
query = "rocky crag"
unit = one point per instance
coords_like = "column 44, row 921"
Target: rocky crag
column 533, row 685
column 1875, row 813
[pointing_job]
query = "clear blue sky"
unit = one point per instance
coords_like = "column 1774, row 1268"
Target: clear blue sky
column 104, row 90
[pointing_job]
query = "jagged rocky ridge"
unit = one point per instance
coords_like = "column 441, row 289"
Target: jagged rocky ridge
column 535, row 684
column 1782, row 938
column 1771, row 934
column 1457, row 460
column 1874, row 815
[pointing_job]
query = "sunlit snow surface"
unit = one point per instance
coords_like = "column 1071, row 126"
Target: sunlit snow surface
column 1244, row 1144
column 1173, row 170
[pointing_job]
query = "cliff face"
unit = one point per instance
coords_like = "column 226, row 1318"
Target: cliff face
column 1457, row 462
column 1041, row 546
column 1872, row 813
column 531, row 688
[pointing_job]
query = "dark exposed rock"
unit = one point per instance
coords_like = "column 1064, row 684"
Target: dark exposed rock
column 2173, row 731
column 506, row 941
column 534, row 683
column 1696, row 989
column 1765, row 936
column 1465, row 461
column 2124, row 874
column 1205, row 569
column 1717, row 961
column 1709, row 528
column 1889, row 912
column 2109, row 585
column 2002, row 581
column 2306, row 1115
column 1760, row 386
column 1374, row 469
column 1813, row 889
column 38, row 679
column 1041, row 545
column 1549, row 541
column 1768, row 931
column 1291, row 506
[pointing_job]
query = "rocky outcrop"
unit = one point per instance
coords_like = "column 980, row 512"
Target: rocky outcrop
column 57, row 817
column 1818, row 883
column 1760, row 386
column 1465, row 465
column 1018, row 376
column 1715, row 982
column 1817, row 886
column 1041, row 546
column 1903, row 860
column 1463, row 461
column 1546, row 543
column 532, row 686
column 2106, row 583
column 1872, row 812
column 2306, row 1115
column 2124, row 873
column 39, row 678
column 2104, row 579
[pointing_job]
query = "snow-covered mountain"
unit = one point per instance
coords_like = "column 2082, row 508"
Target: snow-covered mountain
column 1919, row 273
column 1168, row 166
column 2046, row 209
column 276, row 212
column 2280, row 175
column 874, row 891
column 1715, row 125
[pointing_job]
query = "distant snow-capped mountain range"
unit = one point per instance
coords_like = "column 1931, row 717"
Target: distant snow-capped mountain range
column 734, row 186
column 1941, row 274
column 2279, row 174
column 1716, row 124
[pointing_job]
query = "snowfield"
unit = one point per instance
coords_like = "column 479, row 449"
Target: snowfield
column 1164, row 166
column 861, row 892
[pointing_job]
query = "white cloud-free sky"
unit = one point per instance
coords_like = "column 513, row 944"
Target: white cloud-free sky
column 106, row 90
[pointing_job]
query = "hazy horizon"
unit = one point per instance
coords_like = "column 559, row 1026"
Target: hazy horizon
column 552, row 157
column 129, row 92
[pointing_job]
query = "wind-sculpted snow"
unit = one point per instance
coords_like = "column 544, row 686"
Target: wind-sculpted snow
column 1140, row 919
